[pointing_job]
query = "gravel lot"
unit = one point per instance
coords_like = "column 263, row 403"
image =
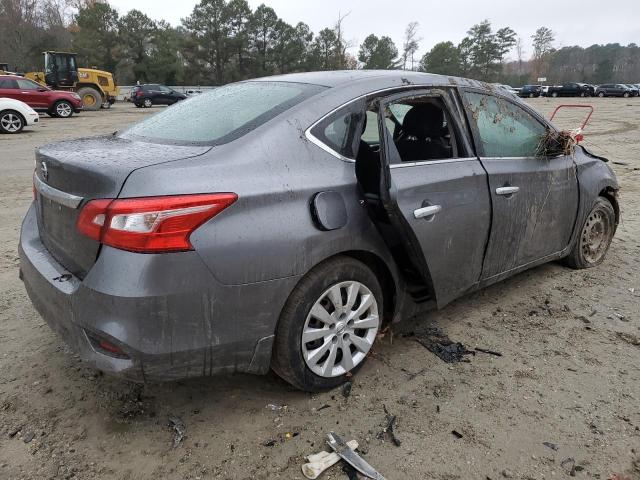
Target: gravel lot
column 569, row 374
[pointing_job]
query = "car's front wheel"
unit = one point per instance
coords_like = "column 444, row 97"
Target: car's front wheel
column 595, row 238
column 328, row 325
column 11, row 122
column 63, row 109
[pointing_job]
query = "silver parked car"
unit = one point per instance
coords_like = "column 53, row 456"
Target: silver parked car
column 280, row 222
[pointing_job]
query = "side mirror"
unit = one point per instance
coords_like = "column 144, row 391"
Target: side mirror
column 555, row 144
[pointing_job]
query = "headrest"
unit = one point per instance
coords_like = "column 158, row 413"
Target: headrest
column 423, row 120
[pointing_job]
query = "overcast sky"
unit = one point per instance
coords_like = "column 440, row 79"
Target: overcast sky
column 574, row 23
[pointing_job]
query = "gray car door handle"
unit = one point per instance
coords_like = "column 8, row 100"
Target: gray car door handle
column 429, row 211
column 507, row 190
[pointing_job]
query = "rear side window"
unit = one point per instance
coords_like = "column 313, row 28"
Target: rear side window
column 505, row 129
column 338, row 132
column 224, row 114
column 8, row 83
column 342, row 130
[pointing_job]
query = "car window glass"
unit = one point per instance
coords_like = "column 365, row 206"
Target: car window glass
column 339, row 130
column 25, row 84
column 8, row 83
column 223, row 114
column 164, row 89
column 399, row 110
column 505, row 129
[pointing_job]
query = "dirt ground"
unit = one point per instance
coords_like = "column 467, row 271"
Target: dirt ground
column 569, row 373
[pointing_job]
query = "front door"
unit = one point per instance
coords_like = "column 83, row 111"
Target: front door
column 433, row 189
column 32, row 93
column 534, row 197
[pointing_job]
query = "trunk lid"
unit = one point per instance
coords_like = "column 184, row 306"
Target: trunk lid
column 73, row 172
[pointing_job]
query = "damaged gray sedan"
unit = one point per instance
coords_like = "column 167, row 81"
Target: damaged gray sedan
column 280, row 222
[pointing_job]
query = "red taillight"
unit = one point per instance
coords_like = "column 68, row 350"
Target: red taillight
column 139, row 93
column 111, row 348
column 150, row 224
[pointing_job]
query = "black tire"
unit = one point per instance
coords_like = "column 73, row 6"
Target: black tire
column 554, row 94
column 62, row 109
column 11, row 122
column 626, row 95
column 582, row 94
column 147, row 103
column 287, row 360
column 601, row 95
column 91, row 99
column 589, row 251
column 531, row 95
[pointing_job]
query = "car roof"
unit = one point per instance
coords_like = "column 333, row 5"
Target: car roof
column 339, row 78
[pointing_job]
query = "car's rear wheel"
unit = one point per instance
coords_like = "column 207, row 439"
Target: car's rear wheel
column 595, row 238
column 601, row 94
column 328, row 325
column 11, row 121
column 63, row 109
column 626, row 95
column 91, row 98
column 147, row 103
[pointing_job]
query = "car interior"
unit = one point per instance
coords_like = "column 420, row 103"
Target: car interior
column 420, row 130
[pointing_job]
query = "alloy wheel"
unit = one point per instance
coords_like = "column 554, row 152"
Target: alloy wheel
column 11, row 122
column 147, row 103
column 63, row 110
column 340, row 329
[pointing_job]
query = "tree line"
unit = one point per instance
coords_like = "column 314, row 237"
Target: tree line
column 226, row 40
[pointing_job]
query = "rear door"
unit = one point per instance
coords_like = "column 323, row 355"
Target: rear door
column 534, row 197
column 438, row 207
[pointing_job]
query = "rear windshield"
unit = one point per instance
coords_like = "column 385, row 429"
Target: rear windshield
column 223, row 114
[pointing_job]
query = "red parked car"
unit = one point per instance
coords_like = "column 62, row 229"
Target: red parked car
column 56, row 103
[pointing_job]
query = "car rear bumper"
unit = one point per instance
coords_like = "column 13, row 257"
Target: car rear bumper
column 166, row 312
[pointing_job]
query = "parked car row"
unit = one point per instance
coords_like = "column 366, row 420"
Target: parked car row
column 577, row 89
column 21, row 99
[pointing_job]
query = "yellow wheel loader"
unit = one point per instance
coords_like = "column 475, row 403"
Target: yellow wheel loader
column 97, row 88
